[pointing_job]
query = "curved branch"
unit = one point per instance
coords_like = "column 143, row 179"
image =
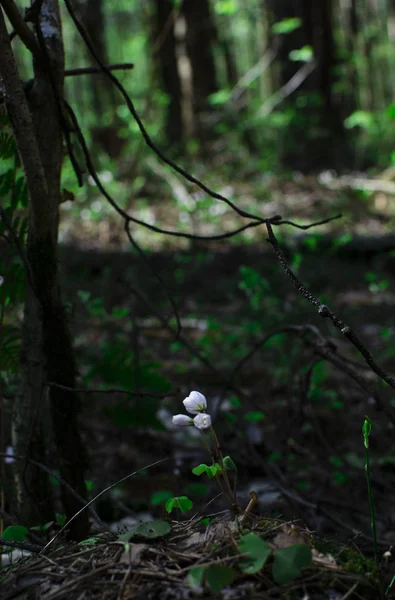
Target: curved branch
column 22, row 30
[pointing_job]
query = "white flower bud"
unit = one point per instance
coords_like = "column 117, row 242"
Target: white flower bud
column 202, row 421
column 182, row 420
column 195, row 403
column 8, row 459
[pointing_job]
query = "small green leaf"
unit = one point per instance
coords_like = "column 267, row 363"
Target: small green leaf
column 287, row 25
column 60, row 519
column 160, row 496
column 254, row 415
column 258, row 550
column 304, row 54
column 197, row 489
column 195, row 576
column 42, row 528
column 229, row 464
column 15, row 533
column 150, row 530
column 289, row 562
column 89, row 541
column 219, row 576
column 181, row 502
column 211, row 471
column 204, row 522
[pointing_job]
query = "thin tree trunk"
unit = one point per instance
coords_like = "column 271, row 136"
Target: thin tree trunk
column 47, row 350
column 166, row 54
column 200, row 37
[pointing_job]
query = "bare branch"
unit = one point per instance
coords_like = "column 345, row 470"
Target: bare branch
column 21, row 28
column 324, row 312
column 26, row 141
column 97, row 70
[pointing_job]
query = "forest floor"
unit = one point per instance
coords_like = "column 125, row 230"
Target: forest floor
column 287, row 391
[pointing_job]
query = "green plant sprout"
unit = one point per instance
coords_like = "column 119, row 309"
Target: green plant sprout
column 196, row 404
column 366, row 429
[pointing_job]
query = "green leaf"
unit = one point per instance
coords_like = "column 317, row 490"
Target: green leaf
column 150, row 530
column 254, row 415
column 289, row 562
column 181, row 502
column 15, row 533
column 287, row 25
column 60, row 519
column 229, row 464
column 225, row 7
column 359, row 118
column 196, row 576
column 197, row 489
column 304, row 54
column 160, row 496
column 258, row 550
column 211, row 471
column 42, row 528
column 218, row 577
column 89, row 485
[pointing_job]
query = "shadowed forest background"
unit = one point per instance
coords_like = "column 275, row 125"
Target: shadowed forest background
column 223, row 221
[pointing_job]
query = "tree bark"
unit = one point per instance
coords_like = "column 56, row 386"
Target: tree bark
column 166, row 54
column 47, row 353
column 200, row 38
column 323, row 114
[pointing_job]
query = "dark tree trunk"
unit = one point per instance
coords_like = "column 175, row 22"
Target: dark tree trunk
column 322, row 112
column 47, row 349
column 200, row 39
column 102, row 97
column 165, row 45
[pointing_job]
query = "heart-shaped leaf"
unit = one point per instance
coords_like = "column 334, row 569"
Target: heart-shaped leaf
column 181, row 502
column 218, row 577
column 150, row 530
column 258, row 550
column 289, row 562
column 15, row 533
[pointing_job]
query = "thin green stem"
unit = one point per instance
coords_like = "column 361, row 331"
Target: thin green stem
column 366, row 429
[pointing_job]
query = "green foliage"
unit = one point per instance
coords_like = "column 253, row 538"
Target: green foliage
column 229, row 464
column 216, row 577
column 254, row 415
column 42, row 528
column 160, row 496
column 180, row 502
column 10, row 347
column 304, row 54
column 225, row 7
column 210, row 470
column 289, row 562
column 148, row 531
column 286, row 25
column 258, row 550
column 13, row 229
column 15, row 533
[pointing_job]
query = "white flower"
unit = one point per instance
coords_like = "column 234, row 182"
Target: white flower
column 8, row 459
column 182, row 420
column 1, row 280
column 202, row 421
column 195, row 403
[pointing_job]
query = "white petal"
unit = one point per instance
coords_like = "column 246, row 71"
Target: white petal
column 1, row 280
column 182, row 420
column 8, row 459
column 202, row 421
column 195, row 403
